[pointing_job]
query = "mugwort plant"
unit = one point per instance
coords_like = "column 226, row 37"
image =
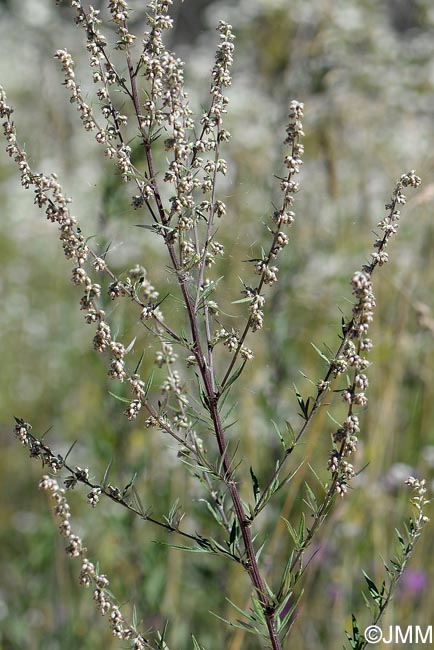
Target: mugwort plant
column 140, row 99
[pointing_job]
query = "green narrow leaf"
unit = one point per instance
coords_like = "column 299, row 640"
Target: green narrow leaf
column 367, row 601
column 189, row 549
column 389, row 571
column 161, row 642
column 251, row 629
column 227, row 414
column 172, row 512
column 129, row 485
column 243, row 612
column 241, row 300
column 215, row 513
column 160, row 302
column 138, row 501
column 321, row 482
column 344, row 325
column 196, row 645
column 302, row 404
column 125, row 400
column 373, row 589
column 286, row 582
column 283, row 622
column 106, row 474
column 355, row 639
column 149, row 383
column 278, row 433
column 290, row 430
column 401, row 541
column 233, row 534
column 203, row 469
column 338, row 424
column 310, row 501
column 209, row 289
column 259, row 611
column 203, row 397
column 321, row 354
column 69, row 450
column 376, row 595
column 291, row 530
column 278, row 484
column 139, row 363
column 131, row 345
column 255, row 485
column 234, row 376
column 297, row 393
column 259, row 552
column 302, row 528
column 135, row 623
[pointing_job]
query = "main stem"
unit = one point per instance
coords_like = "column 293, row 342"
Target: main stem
column 250, row 564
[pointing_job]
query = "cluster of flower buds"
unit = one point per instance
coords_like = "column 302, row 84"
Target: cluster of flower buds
column 49, row 195
column 419, row 501
column 282, row 218
column 105, row 75
column 357, row 344
column 74, row 546
column 36, row 447
column 89, row 575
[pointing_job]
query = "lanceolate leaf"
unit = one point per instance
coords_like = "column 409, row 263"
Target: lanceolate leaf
column 255, row 485
column 234, row 376
column 279, row 435
column 125, row 400
column 304, row 405
column 321, row 354
column 106, row 474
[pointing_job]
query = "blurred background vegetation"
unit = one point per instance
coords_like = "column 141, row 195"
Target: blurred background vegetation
column 365, row 71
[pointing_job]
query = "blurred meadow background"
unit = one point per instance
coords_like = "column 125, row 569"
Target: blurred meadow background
column 365, row 71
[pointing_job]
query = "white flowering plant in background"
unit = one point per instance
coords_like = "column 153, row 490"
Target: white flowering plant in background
column 141, row 98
